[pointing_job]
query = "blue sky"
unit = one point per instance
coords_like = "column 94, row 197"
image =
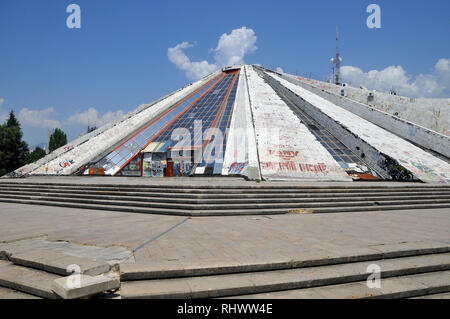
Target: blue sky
column 55, row 76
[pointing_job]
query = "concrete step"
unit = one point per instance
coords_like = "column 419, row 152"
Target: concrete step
column 445, row 295
column 425, row 285
column 58, row 263
column 27, row 280
column 224, row 190
column 157, row 211
column 6, row 293
column 375, row 208
column 299, row 198
column 229, row 186
column 279, row 280
column 216, row 198
column 224, row 212
column 189, row 268
column 231, row 206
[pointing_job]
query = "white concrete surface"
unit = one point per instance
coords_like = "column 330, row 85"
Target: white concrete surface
column 73, row 159
column 286, row 147
column 433, row 114
column 423, row 165
column 241, row 157
column 418, row 134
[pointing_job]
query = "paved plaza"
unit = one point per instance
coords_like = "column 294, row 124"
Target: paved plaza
column 160, row 238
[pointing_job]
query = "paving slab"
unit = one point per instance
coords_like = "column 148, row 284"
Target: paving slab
column 436, row 282
column 6, row 293
column 86, row 286
column 435, row 296
column 143, row 289
column 112, row 254
column 27, row 280
column 240, row 238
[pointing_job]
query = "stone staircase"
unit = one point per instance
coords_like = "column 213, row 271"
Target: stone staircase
column 407, row 270
column 415, row 270
column 29, row 273
column 208, row 200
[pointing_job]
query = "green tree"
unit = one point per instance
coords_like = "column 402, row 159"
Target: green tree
column 57, row 139
column 37, row 154
column 13, row 151
column 12, row 120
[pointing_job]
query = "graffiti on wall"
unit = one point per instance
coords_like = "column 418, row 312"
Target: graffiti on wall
column 68, row 148
column 294, row 167
column 237, row 168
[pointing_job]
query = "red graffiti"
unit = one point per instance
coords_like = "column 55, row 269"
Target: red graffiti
column 66, row 164
column 284, row 154
column 292, row 166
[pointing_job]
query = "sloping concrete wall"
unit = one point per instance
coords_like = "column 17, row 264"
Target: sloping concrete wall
column 415, row 133
column 80, row 140
column 421, row 164
column 241, row 153
column 287, row 150
column 70, row 161
column 433, row 114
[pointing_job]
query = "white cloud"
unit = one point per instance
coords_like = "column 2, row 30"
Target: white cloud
column 91, row 117
column 194, row 70
column 231, row 49
column 38, row 118
column 436, row 84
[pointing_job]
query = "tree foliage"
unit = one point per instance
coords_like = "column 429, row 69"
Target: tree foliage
column 37, row 154
column 57, row 139
column 13, row 151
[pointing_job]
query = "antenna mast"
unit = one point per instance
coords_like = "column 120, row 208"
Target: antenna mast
column 337, row 61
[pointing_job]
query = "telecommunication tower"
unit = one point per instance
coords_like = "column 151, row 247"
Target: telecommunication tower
column 337, row 61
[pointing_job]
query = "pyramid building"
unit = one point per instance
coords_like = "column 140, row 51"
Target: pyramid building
column 262, row 125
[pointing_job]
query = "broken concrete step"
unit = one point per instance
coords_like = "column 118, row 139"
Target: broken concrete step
column 394, row 287
column 278, row 280
column 189, row 268
column 81, row 286
column 7, row 293
column 58, row 263
column 27, row 280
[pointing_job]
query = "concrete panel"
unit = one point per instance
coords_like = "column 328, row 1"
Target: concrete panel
column 417, row 134
column 241, row 153
column 80, row 140
column 348, row 125
column 286, row 148
column 91, row 149
column 433, row 114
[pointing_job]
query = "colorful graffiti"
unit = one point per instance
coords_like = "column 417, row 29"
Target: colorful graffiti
column 237, row 168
